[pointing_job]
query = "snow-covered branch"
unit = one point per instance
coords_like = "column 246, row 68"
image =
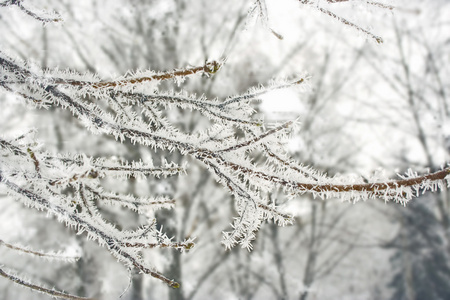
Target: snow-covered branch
column 39, row 288
column 132, row 108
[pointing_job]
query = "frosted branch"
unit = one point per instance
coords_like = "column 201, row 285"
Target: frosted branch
column 41, row 17
column 132, row 108
column 208, row 68
column 51, row 292
column 345, row 21
column 50, row 255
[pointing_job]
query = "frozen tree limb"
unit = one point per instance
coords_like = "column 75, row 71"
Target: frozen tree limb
column 132, row 109
column 51, row 292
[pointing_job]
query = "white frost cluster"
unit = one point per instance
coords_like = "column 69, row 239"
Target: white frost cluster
column 132, row 108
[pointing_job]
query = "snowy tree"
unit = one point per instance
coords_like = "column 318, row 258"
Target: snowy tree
column 134, row 109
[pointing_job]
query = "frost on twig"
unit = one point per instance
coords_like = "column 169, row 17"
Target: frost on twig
column 132, row 109
column 44, row 17
column 259, row 10
column 38, row 180
column 136, row 114
column 48, row 255
column 39, row 288
column 258, row 6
